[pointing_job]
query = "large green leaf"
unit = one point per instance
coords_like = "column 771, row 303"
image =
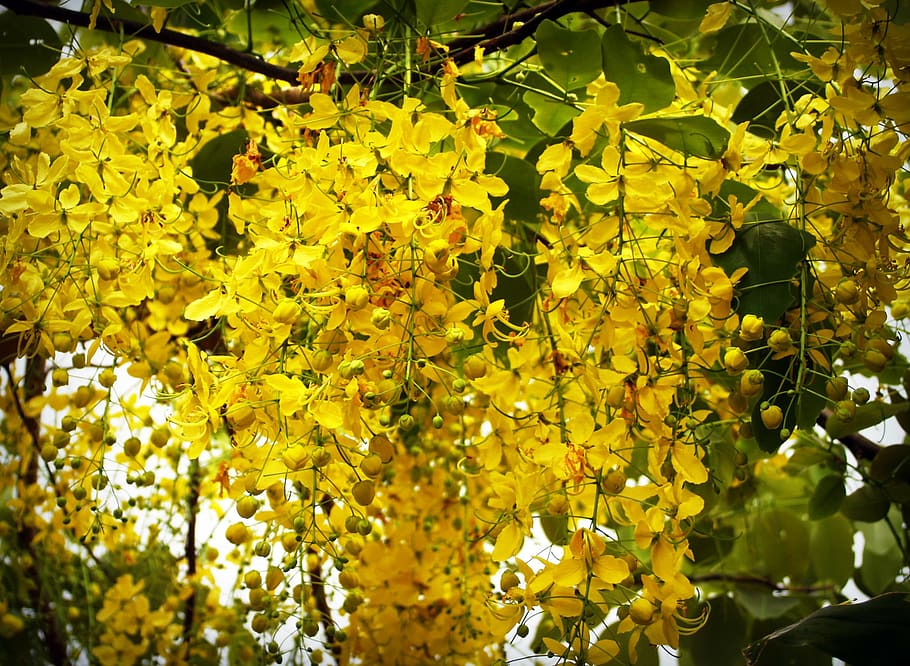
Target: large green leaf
column 169, row 4
column 780, row 538
column 571, row 58
column 556, row 528
column 878, row 571
column 891, row 462
column 641, row 77
column 212, row 170
column 827, row 497
column 870, row 633
column 432, row 12
column 866, row 416
column 680, row 9
column 761, row 603
column 762, row 105
column 27, row 45
column 831, row 549
column 719, row 641
column 800, row 406
column 751, row 52
column 866, row 504
column 522, row 179
column 772, row 251
column 693, row 136
column 550, row 116
column 344, row 10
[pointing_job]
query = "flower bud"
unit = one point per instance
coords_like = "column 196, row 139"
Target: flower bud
column 772, row 416
column 374, row 23
column 286, row 312
column 846, row 292
column 779, row 341
column 751, row 383
column 752, row 328
column 356, row 297
column 381, row 318
column 735, row 361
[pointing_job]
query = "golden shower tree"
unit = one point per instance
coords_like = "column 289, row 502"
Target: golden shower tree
column 454, row 331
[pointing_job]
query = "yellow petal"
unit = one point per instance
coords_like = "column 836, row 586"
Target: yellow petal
column 327, row 414
column 688, row 464
column 508, row 542
column 570, row 572
column 205, row 307
column 610, row 569
column 567, row 281
column 716, row 18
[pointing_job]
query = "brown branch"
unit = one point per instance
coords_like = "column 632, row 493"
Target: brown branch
column 861, row 447
column 749, row 579
column 117, row 26
column 33, row 385
column 317, row 585
column 189, row 608
column 511, row 29
column 500, row 34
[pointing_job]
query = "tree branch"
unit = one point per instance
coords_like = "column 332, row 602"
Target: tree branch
column 192, row 508
column 33, row 385
column 513, row 28
column 861, row 447
column 170, row 37
column 498, row 35
column 749, row 579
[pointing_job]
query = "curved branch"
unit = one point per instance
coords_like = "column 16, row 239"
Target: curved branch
column 861, row 447
column 506, row 31
column 514, row 28
column 170, row 37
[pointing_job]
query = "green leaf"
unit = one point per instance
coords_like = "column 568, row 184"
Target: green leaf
column 878, row 536
column 571, row 58
column 648, row 655
column 641, row 77
column 343, row 10
column 522, row 179
column 517, row 277
column 751, row 53
column 862, row 634
column 212, row 164
column 27, row 45
column 831, row 549
column 169, row 4
column 762, row 105
column 867, row 415
column 811, row 399
column 827, row 497
column 550, row 116
column 556, row 528
column 761, row 603
column 212, row 170
column 680, row 9
column 719, row 641
column 891, row 462
column 433, row 12
column 781, row 540
column 772, row 251
column 878, row 571
column 866, row 504
column 761, row 209
column 694, row 136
